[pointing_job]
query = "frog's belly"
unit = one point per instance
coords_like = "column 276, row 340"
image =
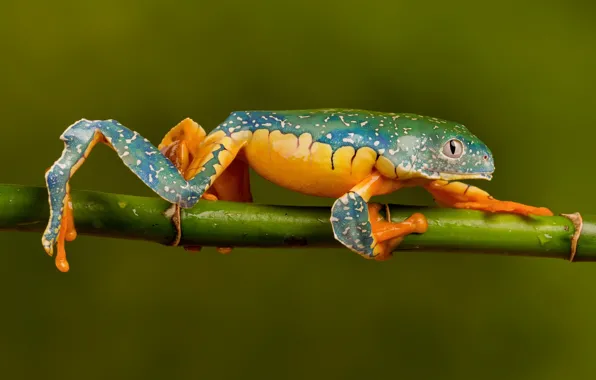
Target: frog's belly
column 296, row 163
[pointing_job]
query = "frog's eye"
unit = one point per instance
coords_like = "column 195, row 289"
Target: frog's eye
column 453, row 148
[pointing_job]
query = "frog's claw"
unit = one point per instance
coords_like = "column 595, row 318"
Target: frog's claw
column 361, row 227
column 460, row 195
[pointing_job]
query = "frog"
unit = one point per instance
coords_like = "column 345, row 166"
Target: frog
column 349, row 155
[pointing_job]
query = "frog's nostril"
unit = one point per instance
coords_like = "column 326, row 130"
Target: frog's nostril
column 485, row 157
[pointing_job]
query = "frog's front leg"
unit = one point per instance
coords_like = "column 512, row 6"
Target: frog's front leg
column 361, row 227
column 460, row 195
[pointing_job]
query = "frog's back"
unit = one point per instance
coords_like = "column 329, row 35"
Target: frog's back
column 319, row 123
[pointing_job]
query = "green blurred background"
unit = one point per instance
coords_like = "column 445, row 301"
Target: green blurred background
column 521, row 75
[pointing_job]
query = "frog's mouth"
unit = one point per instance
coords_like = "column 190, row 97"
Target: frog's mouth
column 457, row 176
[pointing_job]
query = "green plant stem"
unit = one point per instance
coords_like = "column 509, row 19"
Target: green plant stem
column 24, row 208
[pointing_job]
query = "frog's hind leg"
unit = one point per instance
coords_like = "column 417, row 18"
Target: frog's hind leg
column 362, row 228
column 141, row 157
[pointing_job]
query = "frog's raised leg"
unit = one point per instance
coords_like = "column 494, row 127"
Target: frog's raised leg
column 184, row 144
column 460, row 195
column 142, row 158
column 361, row 227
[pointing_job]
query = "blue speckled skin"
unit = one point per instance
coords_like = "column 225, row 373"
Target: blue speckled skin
column 411, row 143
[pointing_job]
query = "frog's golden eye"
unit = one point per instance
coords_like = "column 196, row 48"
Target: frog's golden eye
column 453, row 148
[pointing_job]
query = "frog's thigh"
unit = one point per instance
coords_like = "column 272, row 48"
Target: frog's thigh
column 362, row 228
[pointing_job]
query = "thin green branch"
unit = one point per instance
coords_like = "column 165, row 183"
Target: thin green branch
column 24, row 208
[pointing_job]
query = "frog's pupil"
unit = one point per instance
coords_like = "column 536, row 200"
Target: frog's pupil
column 452, row 146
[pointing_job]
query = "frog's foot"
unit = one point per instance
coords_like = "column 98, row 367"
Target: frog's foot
column 460, row 195
column 66, row 232
column 182, row 144
column 365, row 231
column 391, row 234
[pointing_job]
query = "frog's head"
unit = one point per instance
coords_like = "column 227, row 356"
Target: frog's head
column 440, row 149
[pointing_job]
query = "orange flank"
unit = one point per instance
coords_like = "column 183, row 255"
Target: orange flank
column 284, row 158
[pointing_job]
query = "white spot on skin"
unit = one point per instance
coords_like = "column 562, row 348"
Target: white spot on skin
column 138, row 162
column 343, row 121
column 134, row 136
column 376, row 143
column 329, row 135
